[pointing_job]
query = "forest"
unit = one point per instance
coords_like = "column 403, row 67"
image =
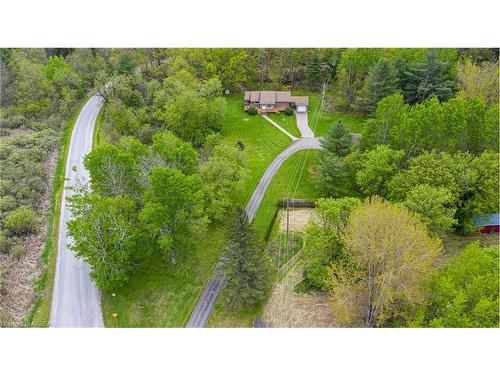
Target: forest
column 173, row 166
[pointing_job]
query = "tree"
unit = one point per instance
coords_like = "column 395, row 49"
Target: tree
column 479, row 194
column 429, row 78
column 478, row 81
column 435, row 205
column 382, row 81
column 390, row 113
column 173, row 211
column 432, row 168
column 113, row 171
column 174, row 152
column 389, row 255
column 322, row 240
column 125, row 64
column 243, row 264
column 464, row 293
column 104, row 230
column 338, row 140
column 20, row 221
column 380, row 165
column 122, row 119
column 223, row 177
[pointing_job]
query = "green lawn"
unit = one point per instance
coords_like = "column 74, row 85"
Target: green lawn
column 287, row 122
column 285, row 183
column 355, row 122
column 161, row 295
column 263, row 142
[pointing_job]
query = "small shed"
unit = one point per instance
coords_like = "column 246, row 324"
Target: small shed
column 488, row 223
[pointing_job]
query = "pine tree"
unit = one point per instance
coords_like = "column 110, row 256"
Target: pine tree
column 382, row 81
column 243, row 264
column 338, row 140
column 430, row 78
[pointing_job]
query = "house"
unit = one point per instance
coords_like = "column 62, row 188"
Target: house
column 488, row 223
column 275, row 101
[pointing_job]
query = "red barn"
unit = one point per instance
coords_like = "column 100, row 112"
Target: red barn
column 488, row 223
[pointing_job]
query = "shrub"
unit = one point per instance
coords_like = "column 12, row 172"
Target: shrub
column 21, row 221
column 252, row 111
column 6, row 243
column 17, row 250
column 288, row 111
column 7, row 203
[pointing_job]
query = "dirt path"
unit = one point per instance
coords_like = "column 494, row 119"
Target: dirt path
column 299, row 217
column 289, row 309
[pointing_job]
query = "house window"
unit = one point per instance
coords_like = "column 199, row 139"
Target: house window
column 267, row 106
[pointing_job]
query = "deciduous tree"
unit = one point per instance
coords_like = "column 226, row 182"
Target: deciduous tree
column 390, row 254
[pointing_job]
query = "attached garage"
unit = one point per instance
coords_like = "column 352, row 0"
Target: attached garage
column 301, row 103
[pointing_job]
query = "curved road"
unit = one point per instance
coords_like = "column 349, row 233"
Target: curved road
column 75, row 299
column 201, row 313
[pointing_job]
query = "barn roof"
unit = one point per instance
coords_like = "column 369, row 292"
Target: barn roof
column 487, row 220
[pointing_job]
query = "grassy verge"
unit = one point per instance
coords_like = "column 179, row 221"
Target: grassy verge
column 287, row 122
column 40, row 314
column 99, row 137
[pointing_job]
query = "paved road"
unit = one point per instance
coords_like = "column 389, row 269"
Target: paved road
column 258, row 194
column 75, row 299
column 201, row 313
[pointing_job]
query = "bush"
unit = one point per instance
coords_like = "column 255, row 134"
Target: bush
column 252, row 111
column 6, row 243
column 288, row 111
column 7, row 203
column 17, row 250
column 21, row 221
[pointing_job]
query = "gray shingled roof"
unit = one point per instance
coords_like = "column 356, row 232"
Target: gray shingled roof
column 268, row 97
column 300, row 100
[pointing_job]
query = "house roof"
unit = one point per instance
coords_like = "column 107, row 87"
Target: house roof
column 268, row 97
column 254, row 96
column 300, row 100
column 487, row 220
column 283, row 96
column 273, row 97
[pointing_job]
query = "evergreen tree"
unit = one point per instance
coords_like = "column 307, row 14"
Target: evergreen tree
column 430, row 78
column 382, row 81
column 338, row 140
column 243, row 264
